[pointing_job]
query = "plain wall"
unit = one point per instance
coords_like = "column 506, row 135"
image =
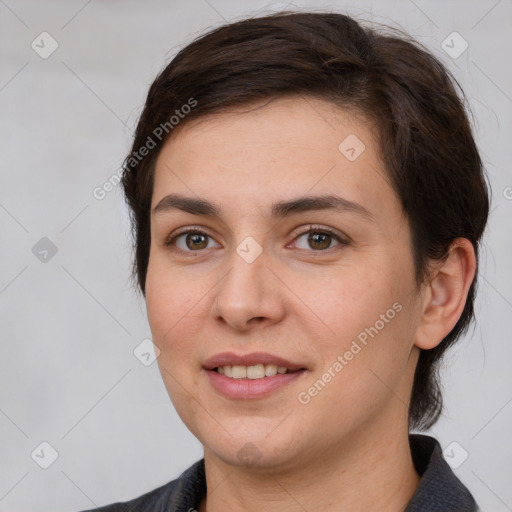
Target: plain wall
column 69, row 325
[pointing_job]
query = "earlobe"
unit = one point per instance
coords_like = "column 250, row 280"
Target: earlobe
column 446, row 294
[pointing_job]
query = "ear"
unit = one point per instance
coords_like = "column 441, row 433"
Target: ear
column 446, row 293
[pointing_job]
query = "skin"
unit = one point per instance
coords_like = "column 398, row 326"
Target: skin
column 347, row 449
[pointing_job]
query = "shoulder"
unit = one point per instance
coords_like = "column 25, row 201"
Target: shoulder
column 152, row 500
column 173, row 495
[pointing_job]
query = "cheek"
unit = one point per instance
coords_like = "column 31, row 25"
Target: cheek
column 368, row 313
column 166, row 304
column 171, row 323
column 176, row 303
column 350, row 300
column 168, row 292
column 364, row 370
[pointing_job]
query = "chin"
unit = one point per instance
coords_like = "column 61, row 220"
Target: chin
column 255, row 449
column 250, row 455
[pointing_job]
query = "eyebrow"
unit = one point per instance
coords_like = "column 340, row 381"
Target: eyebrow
column 280, row 209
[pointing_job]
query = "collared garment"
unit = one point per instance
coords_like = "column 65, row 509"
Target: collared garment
column 439, row 489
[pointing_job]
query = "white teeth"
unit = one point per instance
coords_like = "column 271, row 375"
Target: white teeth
column 257, row 371
column 239, row 372
column 270, row 370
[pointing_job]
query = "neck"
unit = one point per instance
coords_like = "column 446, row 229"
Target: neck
column 371, row 471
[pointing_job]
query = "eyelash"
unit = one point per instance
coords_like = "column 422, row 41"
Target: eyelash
column 311, row 229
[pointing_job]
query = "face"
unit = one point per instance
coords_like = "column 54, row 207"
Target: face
column 324, row 290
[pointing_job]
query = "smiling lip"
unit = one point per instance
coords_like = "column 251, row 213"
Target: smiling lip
column 250, row 388
column 231, row 359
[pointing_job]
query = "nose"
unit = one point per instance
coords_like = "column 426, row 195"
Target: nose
column 249, row 295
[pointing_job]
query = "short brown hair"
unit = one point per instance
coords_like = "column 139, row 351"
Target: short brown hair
column 425, row 137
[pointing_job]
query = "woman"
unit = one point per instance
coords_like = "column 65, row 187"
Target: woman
column 307, row 203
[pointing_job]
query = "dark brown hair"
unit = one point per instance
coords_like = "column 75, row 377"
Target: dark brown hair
column 425, row 137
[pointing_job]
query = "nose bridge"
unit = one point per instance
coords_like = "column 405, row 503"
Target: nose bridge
column 247, row 271
column 245, row 292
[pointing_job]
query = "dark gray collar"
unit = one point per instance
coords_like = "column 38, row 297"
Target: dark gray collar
column 439, row 489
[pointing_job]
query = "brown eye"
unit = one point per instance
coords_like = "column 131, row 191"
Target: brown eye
column 320, row 239
column 194, row 241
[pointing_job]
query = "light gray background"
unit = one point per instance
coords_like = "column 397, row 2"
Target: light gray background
column 69, row 326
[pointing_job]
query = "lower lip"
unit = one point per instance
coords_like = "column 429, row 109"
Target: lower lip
column 250, row 388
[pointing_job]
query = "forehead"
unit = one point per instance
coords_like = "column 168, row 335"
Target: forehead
column 257, row 154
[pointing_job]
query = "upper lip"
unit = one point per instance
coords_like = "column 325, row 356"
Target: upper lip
column 232, row 359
